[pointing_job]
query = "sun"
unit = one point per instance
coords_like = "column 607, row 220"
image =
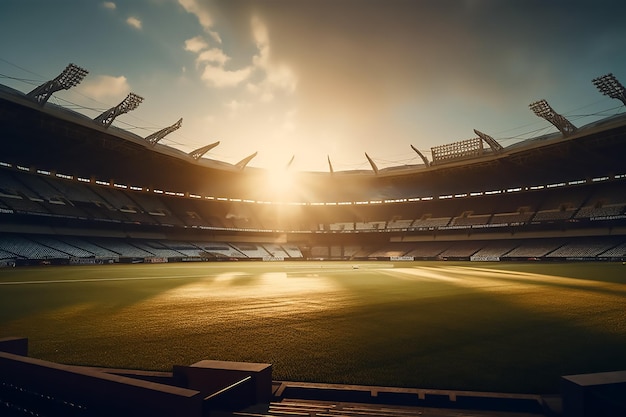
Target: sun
column 279, row 181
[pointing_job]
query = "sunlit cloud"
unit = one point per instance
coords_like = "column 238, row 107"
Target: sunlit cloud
column 193, row 7
column 214, row 55
column 109, row 5
column 217, row 76
column 277, row 77
column 215, row 36
column 235, row 105
column 134, row 22
column 196, row 44
column 105, row 87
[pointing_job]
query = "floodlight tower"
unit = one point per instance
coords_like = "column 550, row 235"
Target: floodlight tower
column 610, row 86
column 542, row 109
column 71, row 76
column 157, row 136
column 198, row 153
column 130, row 103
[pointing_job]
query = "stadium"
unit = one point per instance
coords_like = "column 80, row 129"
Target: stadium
column 77, row 192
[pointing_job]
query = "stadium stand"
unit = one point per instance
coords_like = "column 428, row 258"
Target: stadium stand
column 428, row 222
column 190, row 250
column 517, row 218
column 93, row 249
column 618, row 252
column 292, row 251
column 399, row 224
column 588, row 248
column 535, row 248
column 275, row 251
column 494, row 250
column 29, row 249
column 461, row 250
column 223, row 250
column 428, row 250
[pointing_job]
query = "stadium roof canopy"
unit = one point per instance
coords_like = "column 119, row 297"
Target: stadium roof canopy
column 54, row 138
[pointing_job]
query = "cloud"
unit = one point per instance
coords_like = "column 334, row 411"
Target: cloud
column 217, row 76
column 215, row 36
column 134, row 22
column 277, row 76
column 214, row 55
column 196, row 44
column 204, row 17
column 105, row 87
column 109, row 5
column 269, row 77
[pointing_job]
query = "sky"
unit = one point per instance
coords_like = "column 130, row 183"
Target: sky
column 312, row 80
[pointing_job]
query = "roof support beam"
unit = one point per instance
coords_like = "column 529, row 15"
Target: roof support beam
column 424, row 159
column 242, row 164
column 495, row 146
column 198, row 153
column 372, row 164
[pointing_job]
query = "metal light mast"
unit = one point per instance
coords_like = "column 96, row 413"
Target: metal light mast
column 71, row 76
column 610, row 86
column 542, row 109
column 130, row 103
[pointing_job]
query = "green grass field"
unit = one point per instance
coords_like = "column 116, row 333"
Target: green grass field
column 471, row 326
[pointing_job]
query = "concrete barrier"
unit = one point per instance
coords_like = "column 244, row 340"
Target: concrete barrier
column 97, row 392
column 590, row 395
column 210, row 376
column 15, row 345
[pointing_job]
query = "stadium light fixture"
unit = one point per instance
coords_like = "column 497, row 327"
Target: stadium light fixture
column 610, row 86
column 71, row 76
column 542, row 109
column 157, row 136
column 130, row 103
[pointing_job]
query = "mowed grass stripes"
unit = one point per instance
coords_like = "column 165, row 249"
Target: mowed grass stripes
column 471, row 326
